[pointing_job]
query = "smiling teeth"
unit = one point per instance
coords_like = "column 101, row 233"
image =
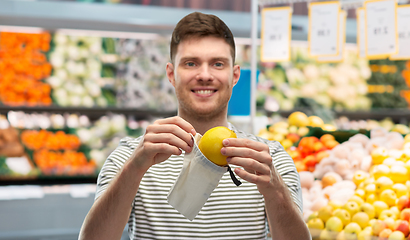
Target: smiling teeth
column 204, row 91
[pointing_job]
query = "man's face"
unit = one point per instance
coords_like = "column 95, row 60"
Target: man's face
column 203, row 76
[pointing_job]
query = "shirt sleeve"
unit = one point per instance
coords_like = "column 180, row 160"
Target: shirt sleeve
column 114, row 163
column 286, row 168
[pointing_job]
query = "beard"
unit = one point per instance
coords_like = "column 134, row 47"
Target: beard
column 203, row 112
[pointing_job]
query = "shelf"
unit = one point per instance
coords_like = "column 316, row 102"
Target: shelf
column 92, row 113
column 397, row 115
column 47, row 180
column 131, row 18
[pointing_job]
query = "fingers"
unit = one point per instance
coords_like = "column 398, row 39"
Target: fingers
column 245, row 148
column 253, row 156
column 173, row 131
column 184, row 125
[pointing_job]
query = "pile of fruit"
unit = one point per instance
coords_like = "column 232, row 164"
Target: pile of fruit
column 23, row 66
column 373, row 203
column 57, row 153
column 288, row 132
column 311, row 150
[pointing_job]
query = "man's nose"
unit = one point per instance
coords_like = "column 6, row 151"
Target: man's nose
column 204, row 73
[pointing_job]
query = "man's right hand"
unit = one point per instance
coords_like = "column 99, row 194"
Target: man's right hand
column 165, row 137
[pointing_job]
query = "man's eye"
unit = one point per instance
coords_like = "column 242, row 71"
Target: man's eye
column 219, row 64
column 190, row 64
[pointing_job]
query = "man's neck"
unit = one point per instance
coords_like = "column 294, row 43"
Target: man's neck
column 203, row 124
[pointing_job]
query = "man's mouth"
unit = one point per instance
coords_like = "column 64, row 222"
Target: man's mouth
column 204, row 92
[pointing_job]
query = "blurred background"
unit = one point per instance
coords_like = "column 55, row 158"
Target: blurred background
column 77, row 76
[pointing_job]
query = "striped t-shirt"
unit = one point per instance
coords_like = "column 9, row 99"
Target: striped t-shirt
column 231, row 212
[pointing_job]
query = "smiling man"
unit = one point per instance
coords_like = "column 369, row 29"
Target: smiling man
column 136, row 178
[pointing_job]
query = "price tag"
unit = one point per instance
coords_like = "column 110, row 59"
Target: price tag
column 276, row 34
column 403, row 29
column 342, row 40
column 323, row 29
column 361, row 39
column 381, row 29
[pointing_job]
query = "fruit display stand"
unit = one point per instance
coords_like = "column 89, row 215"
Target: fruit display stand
column 355, row 183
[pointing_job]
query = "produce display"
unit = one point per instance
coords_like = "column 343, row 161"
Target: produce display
column 76, row 78
column 40, row 145
column 23, row 66
column 140, row 70
column 388, row 87
column 303, row 82
column 361, row 190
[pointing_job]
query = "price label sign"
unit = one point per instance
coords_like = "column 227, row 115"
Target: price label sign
column 361, row 39
column 276, row 34
column 403, row 29
column 341, row 43
column 381, row 28
column 323, row 29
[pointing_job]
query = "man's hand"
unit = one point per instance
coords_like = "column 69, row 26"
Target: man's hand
column 254, row 157
column 165, row 137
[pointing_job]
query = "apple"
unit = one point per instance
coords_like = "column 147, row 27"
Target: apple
column 390, row 223
column 325, row 213
column 398, row 174
column 396, row 211
column 352, row 229
column 334, row 224
column 359, row 176
column 378, row 171
column 379, row 206
column 311, row 216
column 387, row 214
column 388, row 196
column 400, row 189
column 403, row 202
column 385, row 233
column 378, row 226
column 361, row 218
column 402, row 226
column 379, row 154
column 383, row 183
column 368, row 209
column 343, row 214
column 357, row 199
column 405, row 214
column 327, row 235
column 371, row 198
column 397, row 235
column 361, row 193
column 372, row 221
column 365, row 234
column 315, row 223
column 352, row 207
column 370, row 188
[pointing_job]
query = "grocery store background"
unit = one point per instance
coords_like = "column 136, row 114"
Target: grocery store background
column 77, row 76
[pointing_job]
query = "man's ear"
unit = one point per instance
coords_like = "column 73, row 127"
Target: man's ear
column 236, row 74
column 170, row 73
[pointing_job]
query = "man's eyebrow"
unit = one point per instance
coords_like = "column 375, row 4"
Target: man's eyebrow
column 223, row 59
column 188, row 59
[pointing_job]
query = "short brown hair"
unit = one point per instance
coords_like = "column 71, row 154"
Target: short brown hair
column 198, row 24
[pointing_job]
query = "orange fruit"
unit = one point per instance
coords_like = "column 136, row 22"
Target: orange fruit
column 326, row 137
column 331, row 144
column 300, row 166
column 328, row 180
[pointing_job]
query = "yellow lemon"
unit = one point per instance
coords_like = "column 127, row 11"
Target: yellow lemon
column 211, row 144
column 298, row 119
column 315, row 121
